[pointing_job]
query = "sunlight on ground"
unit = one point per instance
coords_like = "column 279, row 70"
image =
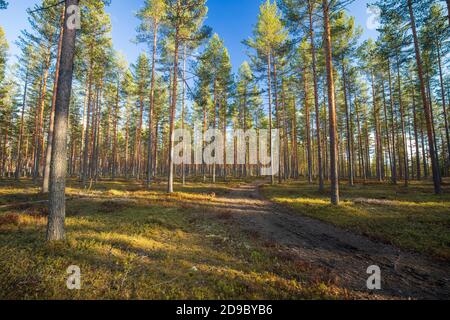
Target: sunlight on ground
column 135, row 244
column 413, row 218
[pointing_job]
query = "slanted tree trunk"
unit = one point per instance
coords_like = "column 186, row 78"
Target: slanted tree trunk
column 58, row 166
column 426, row 105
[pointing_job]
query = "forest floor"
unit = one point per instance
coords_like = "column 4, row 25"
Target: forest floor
column 224, row 241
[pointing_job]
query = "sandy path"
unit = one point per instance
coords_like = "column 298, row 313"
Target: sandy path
column 343, row 254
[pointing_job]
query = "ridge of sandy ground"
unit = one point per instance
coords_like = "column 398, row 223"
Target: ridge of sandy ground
column 343, row 254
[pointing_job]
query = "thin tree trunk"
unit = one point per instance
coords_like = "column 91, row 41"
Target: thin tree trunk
column 277, row 114
column 269, row 88
column 45, row 183
column 434, row 162
column 151, row 159
column 183, row 168
column 172, row 114
column 316, row 96
column 21, row 131
column 416, row 137
column 331, row 106
column 402, row 118
column 394, row 127
column 308, row 128
column 444, row 105
column 347, row 121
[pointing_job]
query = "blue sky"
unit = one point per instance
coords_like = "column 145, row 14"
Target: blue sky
column 233, row 20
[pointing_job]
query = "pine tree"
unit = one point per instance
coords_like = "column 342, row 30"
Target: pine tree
column 184, row 20
column 152, row 16
column 269, row 36
column 58, row 167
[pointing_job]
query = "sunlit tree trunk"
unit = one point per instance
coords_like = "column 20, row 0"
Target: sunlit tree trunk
column 151, row 159
column 18, row 173
column 58, row 167
column 316, row 96
column 331, row 106
column 172, row 114
column 426, row 105
column 45, row 183
column 269, row 89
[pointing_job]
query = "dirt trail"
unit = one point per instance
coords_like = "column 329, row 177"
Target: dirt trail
column 343, row 254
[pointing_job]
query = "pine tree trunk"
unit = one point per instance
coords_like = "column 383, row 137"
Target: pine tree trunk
column 426, row 105
column 151, row 159
column 87, row 126
column 444, row 105
column 115, row 124
column 45, row 183
column 402, row 119
column 269, row 88
column 308, row 128
column 347, row 123
column 393, row 128
column 331, row 107
column 58, row 167
column 183, row 107
column 416, row 138
column 277, row 115
column 172, row 114
column 316, row 96
column 18, row 173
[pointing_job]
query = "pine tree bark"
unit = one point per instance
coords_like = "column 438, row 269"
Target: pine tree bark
column 426, row 105
column 402, row 119
column 58, row 167
column 444, row 104
column 18, row 173
column 172, row 114
column 151, row 159
column 48, row 154
column 334, row 175
column 316, row 96
column 308, row 127
column 269, row 89
column 347, row 123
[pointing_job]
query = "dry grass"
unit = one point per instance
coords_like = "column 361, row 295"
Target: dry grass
column 412, row 218
column 136, row 244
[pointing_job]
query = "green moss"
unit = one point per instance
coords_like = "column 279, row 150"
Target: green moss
column 135, row 244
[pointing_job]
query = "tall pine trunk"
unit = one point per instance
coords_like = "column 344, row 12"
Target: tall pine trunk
column 426, row 105
column 172, row 114
column 48, row 155
column 334, row 175
column 58, row 166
